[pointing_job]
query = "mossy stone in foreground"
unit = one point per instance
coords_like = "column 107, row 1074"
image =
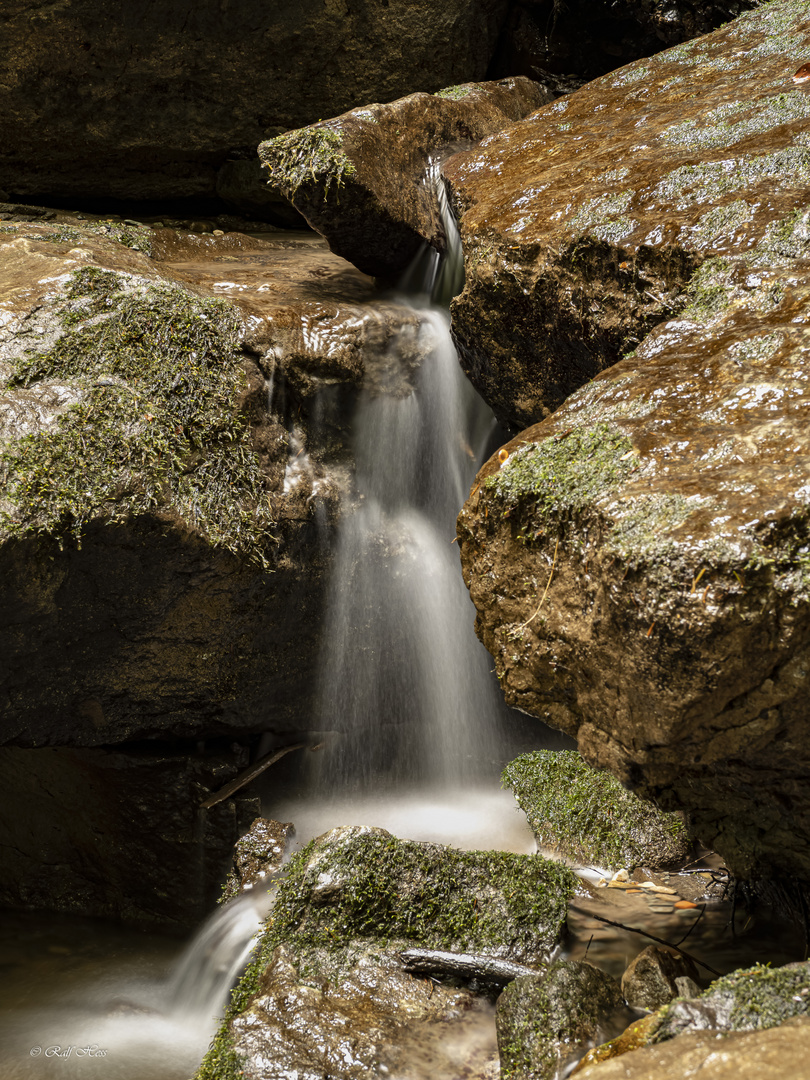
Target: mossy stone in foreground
column 543, row 1019
column 588, row 816
column 358, row 895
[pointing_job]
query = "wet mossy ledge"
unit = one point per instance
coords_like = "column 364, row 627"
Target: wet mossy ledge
column 154, row 425
column 586, row 815
column 360, row 895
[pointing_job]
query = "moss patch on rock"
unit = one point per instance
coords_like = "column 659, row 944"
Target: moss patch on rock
column 559, row 477
column 542, row 1019
column 310, row 154
column 751, row 999
column 588, row 816
column 156, row 429
column 358, row 888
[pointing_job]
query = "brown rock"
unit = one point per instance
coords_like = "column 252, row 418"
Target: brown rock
column 753, row 1055
column 582, row 225
column 639, row 566
column 650, row 980
column 359, row 179
column 148, row 102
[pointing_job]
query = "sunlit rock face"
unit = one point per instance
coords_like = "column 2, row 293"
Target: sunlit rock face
column 639, row 561
column 359, row 179
column 583, row 224
column 149, row 102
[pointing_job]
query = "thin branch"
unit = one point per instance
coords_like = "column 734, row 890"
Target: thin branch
column 548, row 586
column 249, row 774
column 652, row 937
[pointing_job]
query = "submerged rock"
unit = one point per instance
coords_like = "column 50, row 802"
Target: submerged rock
column 655, row 977
column 328, row 991
column 544, row 1019
column 359, row 179
column 588, row 816
column 583, row 224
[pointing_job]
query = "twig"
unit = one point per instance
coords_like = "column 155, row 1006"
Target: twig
column 652, row 937
column 692, row 927
column 548, row 586
column 249, row 774
column 466, row 965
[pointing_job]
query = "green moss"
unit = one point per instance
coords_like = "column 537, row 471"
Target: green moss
column 752, row 999
column 454, row 93
column 157, row 373
column 309, row 155
column 709, row 292
column 588, row 815
column 557, row 478
column 221, row 1062
column 734, row 121
column 709, row 181
column 604, row 217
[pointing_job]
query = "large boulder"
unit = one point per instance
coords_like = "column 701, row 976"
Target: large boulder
column 149, row 101
column 360, row 179
column 583, row 224
column 327, row 993
column 638, row 560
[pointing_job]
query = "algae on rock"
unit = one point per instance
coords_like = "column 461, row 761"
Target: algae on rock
column 588, row 816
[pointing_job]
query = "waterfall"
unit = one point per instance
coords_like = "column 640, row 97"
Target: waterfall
column 403, row 677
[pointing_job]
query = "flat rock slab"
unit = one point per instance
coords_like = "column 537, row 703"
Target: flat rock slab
column 359, row 179
column 583, row 224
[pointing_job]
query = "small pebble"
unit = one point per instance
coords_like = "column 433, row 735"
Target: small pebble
column 621, row 875
column 218, row 232
column 129, row 221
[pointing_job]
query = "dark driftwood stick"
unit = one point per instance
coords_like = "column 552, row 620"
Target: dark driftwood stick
column 652, row 937
column 249, row 774
column 467, row 965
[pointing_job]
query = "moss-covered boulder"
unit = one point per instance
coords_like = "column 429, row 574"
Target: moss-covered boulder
column 543, row 1020
column 586, row 815
column 327, row 989
column 747, row 1000
column 583, row 225
column 359, row 179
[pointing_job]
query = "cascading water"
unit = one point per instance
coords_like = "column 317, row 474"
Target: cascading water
column 404, row 678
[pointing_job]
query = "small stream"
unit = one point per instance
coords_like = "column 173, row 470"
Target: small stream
column 423, row 737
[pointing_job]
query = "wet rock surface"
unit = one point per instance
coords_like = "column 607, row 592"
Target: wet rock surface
column 655, row 977
column 761, row 1055
column 257, row 854
column 359, row 179
column 149, row 103
column 668, row 529
column 328, row 990
column 117, row 833
column 544, row 1019
column 583, row 225
column 588, row 816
